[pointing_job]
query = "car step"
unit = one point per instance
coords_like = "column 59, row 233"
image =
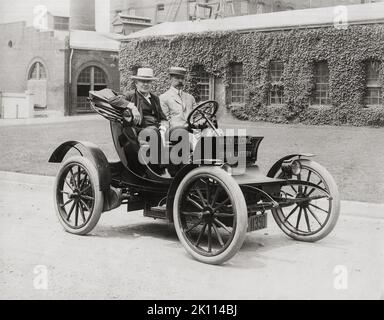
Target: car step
column 156, row 212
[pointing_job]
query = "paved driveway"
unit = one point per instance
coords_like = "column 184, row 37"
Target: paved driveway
column 131, row 257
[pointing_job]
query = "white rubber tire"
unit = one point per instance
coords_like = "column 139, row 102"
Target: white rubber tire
column 239, row 206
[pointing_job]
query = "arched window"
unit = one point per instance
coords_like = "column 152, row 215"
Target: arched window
column 37, row 72
column 90, row 79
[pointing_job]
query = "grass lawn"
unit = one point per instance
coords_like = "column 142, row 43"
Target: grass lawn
column 354, row 156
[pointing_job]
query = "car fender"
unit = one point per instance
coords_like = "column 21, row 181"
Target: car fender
column 93, row 152
column 275, row 168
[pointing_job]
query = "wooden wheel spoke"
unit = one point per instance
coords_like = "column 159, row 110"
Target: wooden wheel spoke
column 193, row 226
column 85, row 205
column 63, row 205
column 300, row 188
column 70, row 211
column 86, row 189
column 298, row 219
column 216, row 194
column 308, row 178
column 82, row 212
column 77, row 214
column 218, row 235
column 67, row 183
column 313, row 189
column 222, row 204
column 201, row 197
column 78, row 176
column 209, row 238
column 294, row 190
column 307, row 220
column 197, row 205
column 318, row 208
column 224, row 215
column 87, row 197
column 85, row 178
column 73, row 178
column 315, row 216
column 291, row 213
column 287, row 193
column 207, row 191
column 222, row 225
column 64, row 192
column 191, row 213
column 200, row 235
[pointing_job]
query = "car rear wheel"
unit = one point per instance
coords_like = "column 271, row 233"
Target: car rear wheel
column 314, row 219
column 77, row 196
column 210, row 215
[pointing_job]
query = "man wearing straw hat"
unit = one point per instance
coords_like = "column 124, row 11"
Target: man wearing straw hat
column 177, row 104
column 145, row 105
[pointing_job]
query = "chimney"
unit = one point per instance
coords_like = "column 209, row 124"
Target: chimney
column 82, row 15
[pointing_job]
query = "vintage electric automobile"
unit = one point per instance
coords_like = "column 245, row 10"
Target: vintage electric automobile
column 210, row 204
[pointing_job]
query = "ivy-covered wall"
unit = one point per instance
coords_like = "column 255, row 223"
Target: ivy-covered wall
column 345, row 51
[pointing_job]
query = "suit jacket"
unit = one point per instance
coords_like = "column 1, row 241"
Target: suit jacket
column 141, row 103
column 176, row 108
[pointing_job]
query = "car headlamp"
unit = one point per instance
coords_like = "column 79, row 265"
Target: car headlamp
column 290, row 167
column 296, row 167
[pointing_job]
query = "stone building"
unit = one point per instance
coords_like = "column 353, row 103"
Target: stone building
column 55, row 55
column 323, row 65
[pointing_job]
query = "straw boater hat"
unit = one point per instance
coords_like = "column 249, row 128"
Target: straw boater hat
column 178, row 71
column 144, row 74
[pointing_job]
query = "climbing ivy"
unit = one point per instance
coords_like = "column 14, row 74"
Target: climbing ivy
column 345, row 51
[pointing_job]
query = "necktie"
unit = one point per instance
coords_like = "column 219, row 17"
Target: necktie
column 180, row 92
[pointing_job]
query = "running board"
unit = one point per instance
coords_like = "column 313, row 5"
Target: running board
column 156, row 213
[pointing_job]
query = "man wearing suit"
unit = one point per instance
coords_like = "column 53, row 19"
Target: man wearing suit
column 147, row 114
column 145, row 106
column 175, row 103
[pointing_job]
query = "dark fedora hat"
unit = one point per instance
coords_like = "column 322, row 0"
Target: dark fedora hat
column 178, row 71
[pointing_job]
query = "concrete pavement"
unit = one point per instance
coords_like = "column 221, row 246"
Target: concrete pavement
column 48, row 120
column 128, row 256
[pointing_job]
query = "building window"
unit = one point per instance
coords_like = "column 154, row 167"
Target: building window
column 260, row 7
column 244, row 7
column 160, row 13
column 321, row 92
column 373, row 94
column 61, row 23
column 236, row 91
column 90, row 79
column 203, row 84
column 276, row 91
column 37, row 72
